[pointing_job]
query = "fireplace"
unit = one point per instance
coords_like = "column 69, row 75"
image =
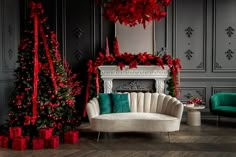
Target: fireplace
column 110, row 74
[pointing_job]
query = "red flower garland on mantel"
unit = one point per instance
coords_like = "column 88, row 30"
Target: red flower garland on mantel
column 133, row 12
column 132, row 60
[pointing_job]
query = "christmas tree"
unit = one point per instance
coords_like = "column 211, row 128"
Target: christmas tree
column 44, row 89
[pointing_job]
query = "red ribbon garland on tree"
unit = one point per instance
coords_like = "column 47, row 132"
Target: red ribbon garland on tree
column 90, row 71
column 34, row 13
column 36, row 66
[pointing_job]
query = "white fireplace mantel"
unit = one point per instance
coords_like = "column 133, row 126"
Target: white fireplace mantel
column 110, row 72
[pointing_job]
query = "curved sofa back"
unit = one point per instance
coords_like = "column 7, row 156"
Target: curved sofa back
column 153, row 103
column 144, row 102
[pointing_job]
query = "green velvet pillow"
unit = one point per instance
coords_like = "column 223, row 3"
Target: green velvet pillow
column 105, row 103
column 120, row 103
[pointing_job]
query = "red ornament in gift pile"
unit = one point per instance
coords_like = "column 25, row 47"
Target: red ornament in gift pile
column 133, row 12
column 1, row 141
column 38, row 143
column 15, row 132
column 19, row 143
column 5, row 140
column 71, row 137
column 45, row 133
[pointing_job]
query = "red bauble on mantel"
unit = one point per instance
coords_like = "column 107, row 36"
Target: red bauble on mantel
column 133, row 12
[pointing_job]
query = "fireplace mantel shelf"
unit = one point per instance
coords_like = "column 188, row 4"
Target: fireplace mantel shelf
column 110, row 72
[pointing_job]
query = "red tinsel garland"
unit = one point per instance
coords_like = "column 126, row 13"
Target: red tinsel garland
column 133, row 12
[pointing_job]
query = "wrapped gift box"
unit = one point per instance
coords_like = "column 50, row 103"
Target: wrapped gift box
column 5, row 142
column 15, row 132
column 52, row 142
column 45, row 133
column 1, row 141
column 19, row 143
column 71, row 137
column 38, row 143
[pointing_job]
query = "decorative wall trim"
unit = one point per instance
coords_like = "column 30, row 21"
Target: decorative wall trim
column 201, row 92
column 229, row 54
column 189, row 32
column 93, row 28
column 189, row 54
column 10, row 34
column 174, row 49
column 64, row 48
column 217, row 89
column 207, row 78
column 229, row 31
column 200, row 66
column 216, row 67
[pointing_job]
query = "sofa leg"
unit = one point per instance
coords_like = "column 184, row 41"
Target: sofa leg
column 98, row 136
column 169, row 137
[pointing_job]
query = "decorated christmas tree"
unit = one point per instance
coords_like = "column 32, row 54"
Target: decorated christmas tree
column 45, row 89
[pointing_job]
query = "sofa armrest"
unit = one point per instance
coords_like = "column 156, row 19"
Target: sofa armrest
column 92, row 108
column 174, row 108
column 178, row 112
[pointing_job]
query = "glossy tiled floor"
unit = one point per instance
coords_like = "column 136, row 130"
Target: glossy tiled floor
column 205, row 141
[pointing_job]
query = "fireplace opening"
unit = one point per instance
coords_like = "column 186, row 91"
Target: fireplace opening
column 133, row 85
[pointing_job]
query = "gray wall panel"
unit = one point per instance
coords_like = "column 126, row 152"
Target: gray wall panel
column 224, row 36
column 9, row 40
column 209, row 41
column 190, row 34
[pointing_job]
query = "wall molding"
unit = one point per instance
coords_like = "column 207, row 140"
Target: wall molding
column 208, row 78
column 197, row 90
column 215, row 67
column 215, row 88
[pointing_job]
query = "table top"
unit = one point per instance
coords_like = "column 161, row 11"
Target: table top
column 199, row 107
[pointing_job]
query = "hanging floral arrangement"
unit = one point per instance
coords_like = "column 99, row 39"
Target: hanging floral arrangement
column 133, row 12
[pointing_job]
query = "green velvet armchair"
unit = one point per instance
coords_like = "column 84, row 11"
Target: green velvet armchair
column 223, row 104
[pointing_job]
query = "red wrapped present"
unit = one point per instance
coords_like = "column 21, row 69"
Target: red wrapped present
column 15, row 132
column 45, row 133
column 5, row 142
column 27, row 138
column 71, row 137
column 38, row 143
column 19, row 143
column 52, row 142
column 1, row 141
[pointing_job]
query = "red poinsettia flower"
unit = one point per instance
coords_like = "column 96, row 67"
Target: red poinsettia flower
column 159, row 62
column 133, row 64
column 133, row 12
column 121, row 65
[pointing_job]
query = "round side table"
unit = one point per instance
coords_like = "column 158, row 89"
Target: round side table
column 194, row 115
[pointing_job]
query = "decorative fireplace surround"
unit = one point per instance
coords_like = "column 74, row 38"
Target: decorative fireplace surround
column 111, row 72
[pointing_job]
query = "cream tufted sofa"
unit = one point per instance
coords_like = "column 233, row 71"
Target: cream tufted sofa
column 150, row 112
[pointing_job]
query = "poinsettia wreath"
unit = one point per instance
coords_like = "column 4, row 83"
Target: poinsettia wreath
column 133, row 12
column 132, row 60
